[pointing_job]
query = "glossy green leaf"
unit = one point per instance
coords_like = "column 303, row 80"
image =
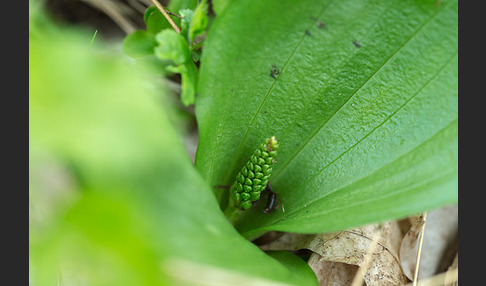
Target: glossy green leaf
column 138, row 212
column 361, row 95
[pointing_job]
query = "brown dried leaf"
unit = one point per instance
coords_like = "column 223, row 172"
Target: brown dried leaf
column 452, row 273
column 350, row 247
column 439, row 244
column 332, row 273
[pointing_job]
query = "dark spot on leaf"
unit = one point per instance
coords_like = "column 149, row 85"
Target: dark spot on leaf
column 236, row 59
column 321, row 25
column 313, row 18
column 308, row 33
column 274, row 71
column 232, row 90
column 358, row 45
column 265, row 111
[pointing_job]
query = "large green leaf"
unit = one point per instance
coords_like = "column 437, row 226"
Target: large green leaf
column 362, row 96
column 138, row 213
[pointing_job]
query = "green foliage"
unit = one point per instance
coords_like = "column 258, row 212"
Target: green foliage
column 139, row 44
column 220, row 5
column 175, row 53
column 154, row 20
column 199, row 21
column 136, row 211
column 186, row 15
column 173, row 47
column 362, row 96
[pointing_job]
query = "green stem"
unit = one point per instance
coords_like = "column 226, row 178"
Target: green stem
column 232, row 212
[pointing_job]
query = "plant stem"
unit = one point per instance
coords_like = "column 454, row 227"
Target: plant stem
column 232, row 213
column 166, row 15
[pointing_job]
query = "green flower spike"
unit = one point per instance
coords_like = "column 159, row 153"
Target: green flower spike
column 252, row 178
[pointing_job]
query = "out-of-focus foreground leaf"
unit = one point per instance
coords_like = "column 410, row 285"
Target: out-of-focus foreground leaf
column 361, row 95
column 133, row 211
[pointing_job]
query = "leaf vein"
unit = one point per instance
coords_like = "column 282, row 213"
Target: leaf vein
column 377, row 170
column 266, row 96
column 301, row 147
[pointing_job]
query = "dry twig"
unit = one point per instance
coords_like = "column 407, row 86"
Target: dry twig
column 166, row 15
column 417, row 264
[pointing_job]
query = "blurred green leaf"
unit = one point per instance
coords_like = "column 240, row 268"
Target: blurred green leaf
column 186, row 15
column 140, row 214
column 199, row 21
column 139, row 44
column 172, row 46
column 154, row 20
column 153, row 65
column 177, row 5
column 294, row 263
column 189, row 74
column 362, row 96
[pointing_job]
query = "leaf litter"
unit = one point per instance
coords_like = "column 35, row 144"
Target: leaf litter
column 439, row 244
column 386, row 252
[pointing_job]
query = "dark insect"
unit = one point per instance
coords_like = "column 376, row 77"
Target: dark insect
column 308, row 33
column 274, row 72
column 358, row 45
column 272, row 201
